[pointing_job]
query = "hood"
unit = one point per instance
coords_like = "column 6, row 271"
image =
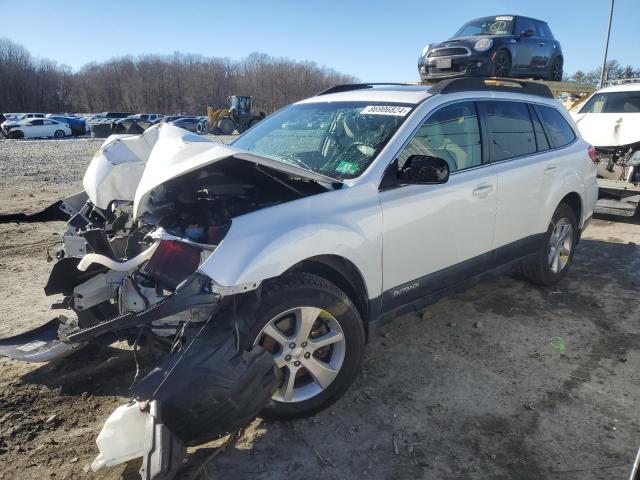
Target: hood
column 608, row 129
column 130, row 167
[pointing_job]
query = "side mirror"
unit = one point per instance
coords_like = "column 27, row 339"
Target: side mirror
column 424, row 170
column 527, row 32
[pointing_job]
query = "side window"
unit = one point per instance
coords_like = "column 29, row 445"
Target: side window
column 525, row 24
column 560, row 132
column 451, row 133
column 47, row 122
column 36, row 122
column 510, row 130
column 541, row 138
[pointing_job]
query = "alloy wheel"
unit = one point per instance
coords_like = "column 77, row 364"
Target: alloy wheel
column 556, row 73
column 308, row 345
column 560, row 245
column 502, row 65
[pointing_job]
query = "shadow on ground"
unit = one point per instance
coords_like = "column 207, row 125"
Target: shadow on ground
column 506, row 380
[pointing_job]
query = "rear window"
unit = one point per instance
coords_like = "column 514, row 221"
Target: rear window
column 559, row 130
column 510, row 130
column 544, row 30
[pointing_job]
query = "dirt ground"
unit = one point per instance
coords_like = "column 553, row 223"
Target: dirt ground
column 504, row 381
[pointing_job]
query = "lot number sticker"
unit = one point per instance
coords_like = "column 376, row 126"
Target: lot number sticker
column 385, row 110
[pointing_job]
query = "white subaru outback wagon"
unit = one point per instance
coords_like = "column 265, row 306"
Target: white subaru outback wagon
column 261, row 266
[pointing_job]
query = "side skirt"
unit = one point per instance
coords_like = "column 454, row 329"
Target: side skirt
column 424, row 291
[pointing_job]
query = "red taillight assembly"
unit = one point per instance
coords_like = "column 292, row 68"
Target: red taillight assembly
column 172, row 263
column 592, row 154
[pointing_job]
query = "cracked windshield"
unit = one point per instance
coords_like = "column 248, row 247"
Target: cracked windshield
column 338, row 140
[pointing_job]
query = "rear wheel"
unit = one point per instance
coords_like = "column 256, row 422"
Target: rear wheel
column 58, row 134
column 501, row 66
column 551, row 264
column 555, row 70
column 316, row 337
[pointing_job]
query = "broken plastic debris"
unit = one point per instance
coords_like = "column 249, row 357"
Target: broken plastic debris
column 122, row 437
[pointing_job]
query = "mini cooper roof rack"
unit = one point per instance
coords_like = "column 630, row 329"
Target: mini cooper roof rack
column 358, row 86
column 491, row 84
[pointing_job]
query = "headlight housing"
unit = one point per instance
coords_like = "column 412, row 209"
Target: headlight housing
column 425, row 49
column 483, row 44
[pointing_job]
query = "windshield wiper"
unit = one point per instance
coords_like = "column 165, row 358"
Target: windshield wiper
column 299, row 163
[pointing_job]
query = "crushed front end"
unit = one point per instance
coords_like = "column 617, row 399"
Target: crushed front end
column 128, row 269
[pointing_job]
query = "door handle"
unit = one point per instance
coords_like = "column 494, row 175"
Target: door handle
column 483, row 191
column 542, row 44
column 550, row 170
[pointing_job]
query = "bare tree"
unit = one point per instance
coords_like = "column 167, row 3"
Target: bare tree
column 178, row 83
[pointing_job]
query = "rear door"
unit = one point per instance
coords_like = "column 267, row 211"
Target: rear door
column 435, row 235
column 49, row 127
column 521, row 155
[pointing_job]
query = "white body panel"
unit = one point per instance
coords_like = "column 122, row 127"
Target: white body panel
column 609, row 129
column 264, row 244
column 391, row 236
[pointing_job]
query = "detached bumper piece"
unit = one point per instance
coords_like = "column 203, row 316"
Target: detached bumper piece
column 201, row 393
column 39, row 345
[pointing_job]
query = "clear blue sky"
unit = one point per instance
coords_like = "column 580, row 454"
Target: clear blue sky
column 373, row 40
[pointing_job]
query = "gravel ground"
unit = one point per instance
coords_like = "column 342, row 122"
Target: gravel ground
column 477, row 386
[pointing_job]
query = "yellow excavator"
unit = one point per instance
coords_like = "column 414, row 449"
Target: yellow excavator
column 238, row 116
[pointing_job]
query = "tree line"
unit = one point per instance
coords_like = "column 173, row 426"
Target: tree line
column 178, row 83
column 614, row 71
column 165, row 84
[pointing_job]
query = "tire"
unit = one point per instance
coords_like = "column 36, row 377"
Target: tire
column 16, row 134
column 58, row 134
column 226, row 126
column 283, row 304
column 501, row 66
column 542, row 268
column 555, row 70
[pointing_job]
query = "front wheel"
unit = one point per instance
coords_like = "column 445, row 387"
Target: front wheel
column 226, row 126
column 551, row 264
column 316, row 337
column 501, row 66
column 58, row 134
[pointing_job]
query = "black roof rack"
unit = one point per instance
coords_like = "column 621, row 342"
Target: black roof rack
column 463, row 84
column 357, row 86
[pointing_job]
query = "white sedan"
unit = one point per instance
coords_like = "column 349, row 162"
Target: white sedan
column 37, row 127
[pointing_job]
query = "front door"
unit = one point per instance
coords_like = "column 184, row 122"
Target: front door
column 527, row 45
column 436, row 235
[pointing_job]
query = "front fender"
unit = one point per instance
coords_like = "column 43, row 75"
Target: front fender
column 266, row 243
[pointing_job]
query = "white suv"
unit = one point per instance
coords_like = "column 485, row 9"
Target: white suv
column 328, row 217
